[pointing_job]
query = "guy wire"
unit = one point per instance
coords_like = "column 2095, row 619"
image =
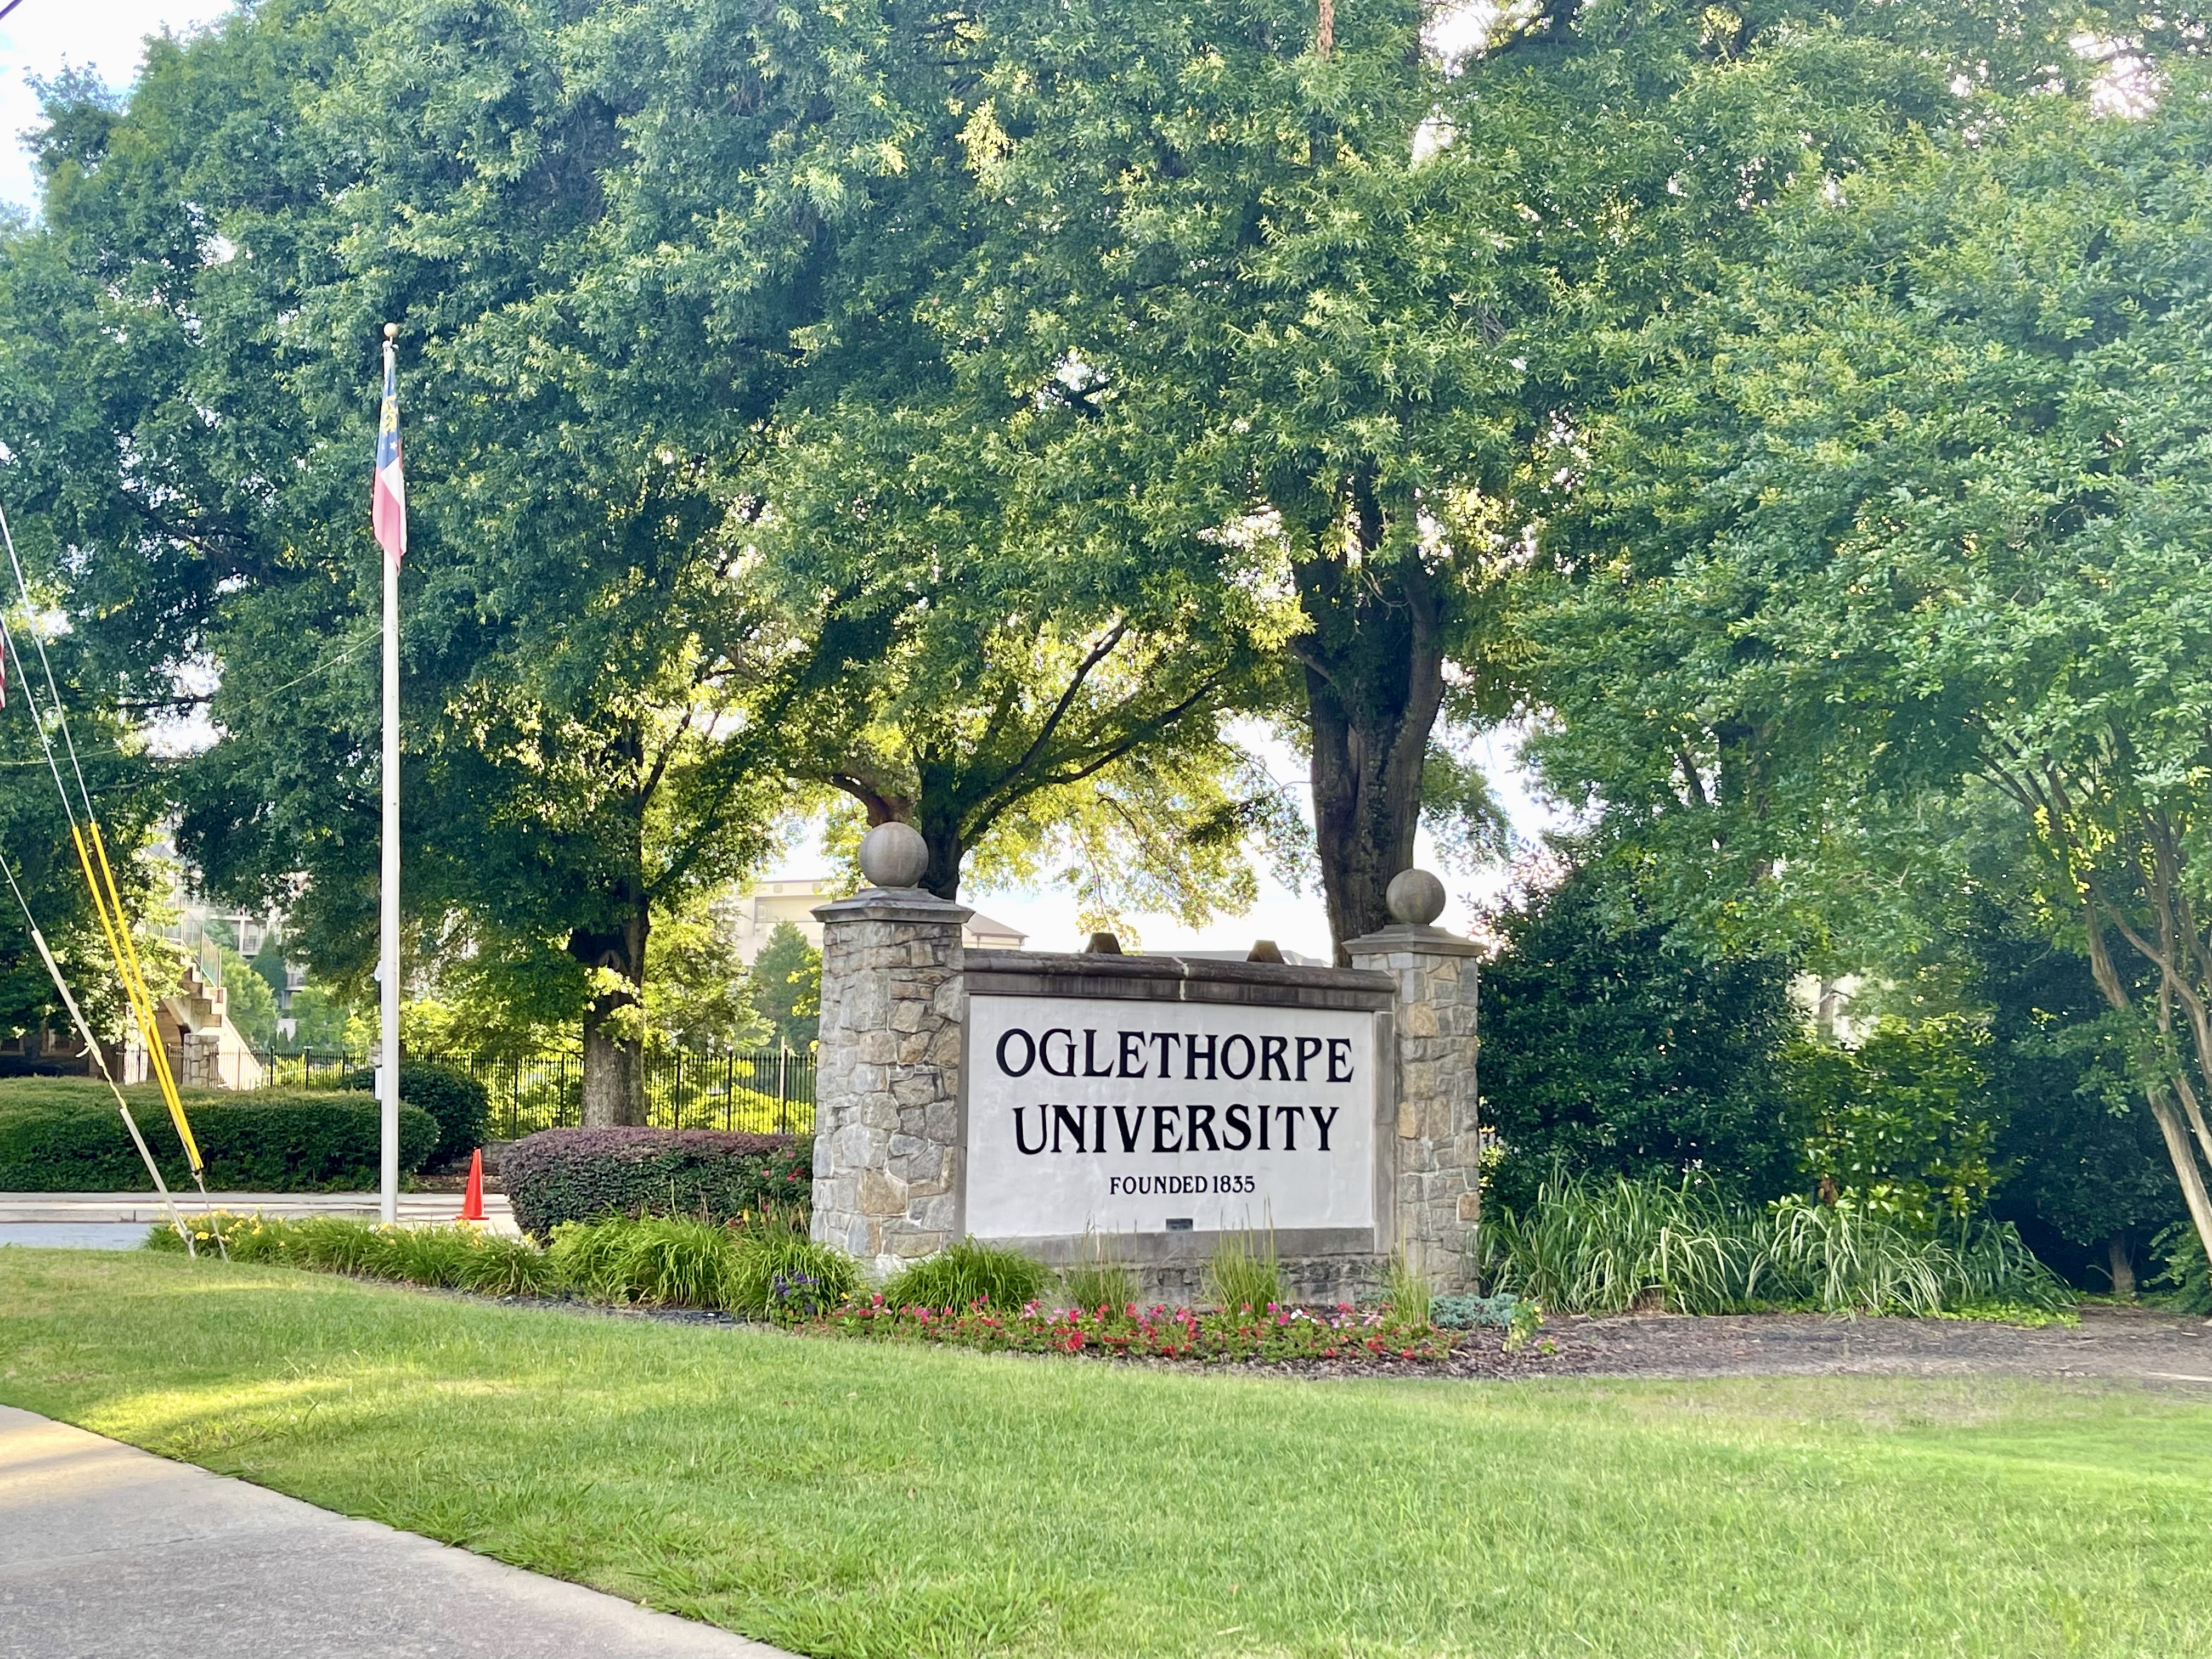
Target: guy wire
column 88, row 842
column 54, row 691
column 92, row 1047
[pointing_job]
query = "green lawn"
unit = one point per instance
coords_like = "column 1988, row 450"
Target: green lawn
column 845, row 1498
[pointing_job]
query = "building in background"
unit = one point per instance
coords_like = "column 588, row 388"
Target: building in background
column 750, row 917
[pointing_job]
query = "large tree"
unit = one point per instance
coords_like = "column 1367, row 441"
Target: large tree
column 593, row 229
column 1357, row 298
column 1913, row 538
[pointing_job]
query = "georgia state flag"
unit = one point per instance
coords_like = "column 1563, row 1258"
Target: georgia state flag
column 388, row 494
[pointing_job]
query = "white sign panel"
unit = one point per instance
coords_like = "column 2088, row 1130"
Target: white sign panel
column 1132, row 1116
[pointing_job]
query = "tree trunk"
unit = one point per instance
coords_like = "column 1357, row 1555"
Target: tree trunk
column 1373, row 658
column 614, row 1063
column 2171, row 1127
column 2122, row 1269
column 946, row 852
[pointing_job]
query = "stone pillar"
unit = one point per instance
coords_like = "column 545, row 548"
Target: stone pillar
column 887, row 1093
column 1438, row 1146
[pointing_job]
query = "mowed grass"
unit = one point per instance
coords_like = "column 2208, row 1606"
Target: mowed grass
column 842, row 1498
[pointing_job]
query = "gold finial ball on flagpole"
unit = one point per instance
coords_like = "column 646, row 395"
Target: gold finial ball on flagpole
column 391, row 330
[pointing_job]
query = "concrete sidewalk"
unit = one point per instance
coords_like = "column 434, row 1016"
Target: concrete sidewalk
column 107, row 1550
column 20, row 1210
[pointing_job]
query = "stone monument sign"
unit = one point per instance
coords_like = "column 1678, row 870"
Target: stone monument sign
column 1144, row 1104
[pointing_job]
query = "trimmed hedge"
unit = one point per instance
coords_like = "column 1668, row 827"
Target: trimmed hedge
column 581, row 1175
column 456, row 1100
column 64, row 1134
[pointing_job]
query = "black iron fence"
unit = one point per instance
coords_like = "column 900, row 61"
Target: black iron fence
column 769, row 1092
column 307, row 1069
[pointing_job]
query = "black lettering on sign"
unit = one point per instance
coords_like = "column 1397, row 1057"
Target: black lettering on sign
column 1229, row 1047
column 1070, row 1118
column 1193, row 1053
column 1161, row 1117
column 1308, row 1050
column 1290, row 1117
column 1133, row 1053
column 1273, row 1063
column 1029, row 1053
column 1164, row 1044
column 1201, row 1123
column 1067, row 1066
column 1026, row 1150
column 1340, row 1054
column 1322, row 1122
column 1237, row 1120
column 1130, row 1128
column 1091, row 1066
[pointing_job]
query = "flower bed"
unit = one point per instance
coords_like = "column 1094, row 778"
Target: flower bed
column 768, row 1273
column 1156, row 1332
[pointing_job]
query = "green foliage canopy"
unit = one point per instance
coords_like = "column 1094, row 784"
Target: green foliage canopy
column 1915, row 517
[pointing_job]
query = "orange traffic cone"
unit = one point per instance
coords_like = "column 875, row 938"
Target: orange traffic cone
column 472, row 1204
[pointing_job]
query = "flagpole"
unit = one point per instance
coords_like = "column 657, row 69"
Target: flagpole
column 387, row 969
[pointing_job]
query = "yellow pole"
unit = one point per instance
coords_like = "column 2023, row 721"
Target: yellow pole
column 134, row 989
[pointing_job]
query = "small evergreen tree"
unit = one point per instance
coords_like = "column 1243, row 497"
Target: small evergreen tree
column 787, row 987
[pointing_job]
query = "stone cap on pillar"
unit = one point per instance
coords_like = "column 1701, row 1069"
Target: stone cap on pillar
column 1416, row 899
column 894, row 858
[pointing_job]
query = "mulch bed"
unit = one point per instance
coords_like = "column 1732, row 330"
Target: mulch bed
column 2131, row 1344
column 2134, row 1343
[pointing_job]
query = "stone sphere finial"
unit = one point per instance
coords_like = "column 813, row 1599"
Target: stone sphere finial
column 1415, row 897
column 895, row 855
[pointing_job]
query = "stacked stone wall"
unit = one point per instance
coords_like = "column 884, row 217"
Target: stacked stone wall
column 887, row 1132
column 1437, row 1188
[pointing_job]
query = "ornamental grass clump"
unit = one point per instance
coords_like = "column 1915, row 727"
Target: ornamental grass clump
column 1244, row 1275
column 435, row 1256
column 1407, row 1294
column 1607, row 1247
column 659, row 1261
column 330, row 1244
column 965, row 1273
column 785, row 1276
column 508, row 1266
column 1098, row 1278
column 462, row 1256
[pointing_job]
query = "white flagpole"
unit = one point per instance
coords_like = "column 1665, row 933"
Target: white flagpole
column 387, row 969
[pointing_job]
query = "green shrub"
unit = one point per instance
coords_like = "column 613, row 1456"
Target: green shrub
column 1474, row 1313
column 64, row 1134
column 2186, row 1280
column 560, row 1175
column 1609, row 1247
column 1242, row 1275
column 450, row 1095
column 1607, row 1050
column 1904, row 1124
column 966, row 1272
